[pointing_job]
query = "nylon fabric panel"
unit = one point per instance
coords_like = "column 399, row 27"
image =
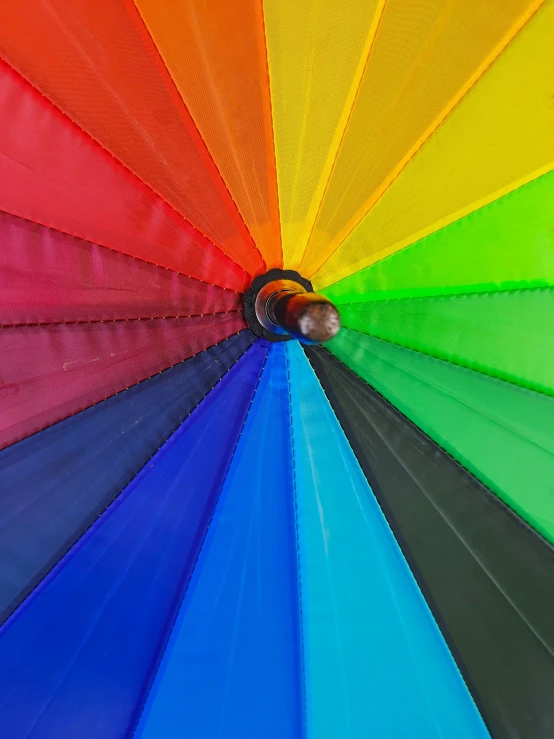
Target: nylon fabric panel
column 67, row 474
column 504, row 334
column 215, row 52
column 98, row 64
column 316, row 54
column 487, row 577
column 496, row 139
column 90, row 664
column 54, row 174
column 500, row 432
column 50, row 277
column 507, row 244
column 233, row 664
column 425, row 55
column 367, row 629
column 52, row 371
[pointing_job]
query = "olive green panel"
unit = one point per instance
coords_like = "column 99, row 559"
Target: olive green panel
column 507, row 244
column 505, row 334
column 502, row 433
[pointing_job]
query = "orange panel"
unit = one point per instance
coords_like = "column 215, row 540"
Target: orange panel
column 215, row 52
column 96, row 61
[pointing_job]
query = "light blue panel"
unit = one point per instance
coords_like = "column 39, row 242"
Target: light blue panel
column 232, row 667
column 376, row 663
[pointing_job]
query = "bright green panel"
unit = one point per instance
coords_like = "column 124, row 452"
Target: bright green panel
column 502, row 433
column 507, row 244
column 505, row 334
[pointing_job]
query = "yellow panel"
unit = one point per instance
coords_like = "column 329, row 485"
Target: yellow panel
column 500, row 135
column 424, row 54
column 317, row 50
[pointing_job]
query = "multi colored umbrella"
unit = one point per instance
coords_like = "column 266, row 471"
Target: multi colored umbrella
column 208, row 527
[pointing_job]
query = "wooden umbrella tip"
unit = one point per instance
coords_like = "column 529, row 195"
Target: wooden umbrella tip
column 319, row 322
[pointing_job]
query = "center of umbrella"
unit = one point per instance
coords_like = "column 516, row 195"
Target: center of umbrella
column 282, row 305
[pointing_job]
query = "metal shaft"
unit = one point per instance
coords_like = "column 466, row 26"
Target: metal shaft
column 284, row 306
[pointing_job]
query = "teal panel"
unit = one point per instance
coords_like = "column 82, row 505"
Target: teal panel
column 376, row 663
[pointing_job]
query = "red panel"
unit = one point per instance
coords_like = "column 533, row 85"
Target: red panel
column 52, row 371
column 52, row 173
column 96, row 61
column 50, row 277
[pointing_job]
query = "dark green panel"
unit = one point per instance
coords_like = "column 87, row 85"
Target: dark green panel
column 488, row 577
column 502, row 433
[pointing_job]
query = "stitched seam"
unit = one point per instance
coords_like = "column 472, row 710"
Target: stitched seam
column 272, row 134
column 381, row 11
column 83, row 537
column 111, row 395
column 211, row 158
column 186, row 584
column 298, row 569
column 506, row 41
column 129, row 172
column 500, row 375
column 453, row 296
column 441, row 450
column 117, row 251
column 117, row 320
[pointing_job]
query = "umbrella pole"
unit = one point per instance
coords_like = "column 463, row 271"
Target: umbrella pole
column 286, row 307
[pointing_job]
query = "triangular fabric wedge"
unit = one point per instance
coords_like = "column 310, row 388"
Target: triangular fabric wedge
column 506, row 334
column 91, row 195
column 216, row 54
column 98, row 64
column 488, row 577
column 233, row 666
column 52, row 371
column 497, row 138
column 54, row 484
column 51, row 277
column 425, row 57
column 87, row 668
column 500, row 432
column 506, row 245
column 367, row 629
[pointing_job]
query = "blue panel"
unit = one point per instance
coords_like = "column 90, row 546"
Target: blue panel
column 54, row 484
column 232, row 667
column 78, row 657
column 376, row 663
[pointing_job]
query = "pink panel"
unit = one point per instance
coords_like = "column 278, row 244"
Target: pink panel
column 49, row 372
column 50, row 277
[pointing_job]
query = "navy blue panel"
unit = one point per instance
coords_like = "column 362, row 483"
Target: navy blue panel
column 233, row 667
column 77, row 658
column 54, row 484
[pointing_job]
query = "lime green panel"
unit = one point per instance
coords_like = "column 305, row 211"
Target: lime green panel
column 507, row 244
column 502, row 433
column 505, row 334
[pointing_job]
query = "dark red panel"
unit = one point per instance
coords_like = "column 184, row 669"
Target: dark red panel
column 49, row 372
column 96, row 61
column 54, row 174
column 50, row 277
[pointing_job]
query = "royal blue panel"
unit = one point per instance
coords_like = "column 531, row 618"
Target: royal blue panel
column 232, row 667
column 77, row 658
column 376, row 663
column 54, row 484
